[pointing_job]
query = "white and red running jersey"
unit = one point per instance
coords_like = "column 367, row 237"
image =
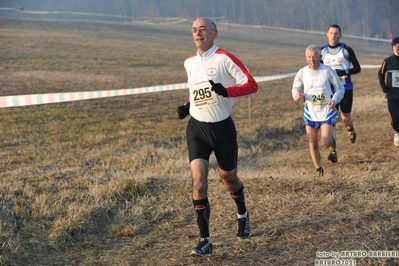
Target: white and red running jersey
column 221, row 67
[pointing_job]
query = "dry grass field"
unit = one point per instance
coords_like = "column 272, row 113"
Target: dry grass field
column 107, row 181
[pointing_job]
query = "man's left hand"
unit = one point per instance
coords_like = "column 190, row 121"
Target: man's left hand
column 218, row 88
column 340, row 72
column 331, row 105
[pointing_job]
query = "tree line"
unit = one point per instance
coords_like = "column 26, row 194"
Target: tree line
column 367, row 18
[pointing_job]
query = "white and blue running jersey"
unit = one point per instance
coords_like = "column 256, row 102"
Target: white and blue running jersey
column 319, row 87
column 339, row 61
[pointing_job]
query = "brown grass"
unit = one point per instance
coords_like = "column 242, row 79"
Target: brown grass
column 106, row 182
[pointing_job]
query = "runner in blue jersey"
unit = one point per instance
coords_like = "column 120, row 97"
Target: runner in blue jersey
column 342, row 58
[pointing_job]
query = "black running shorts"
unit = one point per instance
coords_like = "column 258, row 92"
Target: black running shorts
column 219, row 137
column 346, row 102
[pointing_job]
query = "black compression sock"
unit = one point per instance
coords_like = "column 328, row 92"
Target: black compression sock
column 239, row 199
column 202, row 212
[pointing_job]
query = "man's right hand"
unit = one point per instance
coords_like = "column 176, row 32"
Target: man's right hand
column 386, row 89
column 183, row 110
column 298, row 96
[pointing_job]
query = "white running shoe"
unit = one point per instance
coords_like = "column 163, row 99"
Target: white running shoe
column 396, row 139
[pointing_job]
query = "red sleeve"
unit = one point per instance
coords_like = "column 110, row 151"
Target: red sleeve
column 247, row 88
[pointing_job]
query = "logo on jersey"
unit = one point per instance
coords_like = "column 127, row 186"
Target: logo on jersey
column 336, row 60
column 211, row 72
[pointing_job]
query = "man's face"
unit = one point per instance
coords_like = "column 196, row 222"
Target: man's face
column 333, row 36
column 313, row 59
column 203, row 34
column 395, row 49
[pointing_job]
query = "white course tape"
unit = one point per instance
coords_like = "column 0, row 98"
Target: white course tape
column 34, row 99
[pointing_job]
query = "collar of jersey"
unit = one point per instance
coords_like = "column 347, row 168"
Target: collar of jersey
column 210, row 52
